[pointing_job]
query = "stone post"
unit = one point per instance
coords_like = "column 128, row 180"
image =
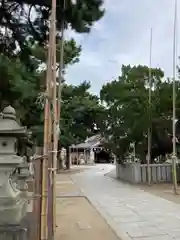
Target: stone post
column 13, row 175
column 91, row 157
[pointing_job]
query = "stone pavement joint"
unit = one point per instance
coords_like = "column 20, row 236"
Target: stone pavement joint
column 133, row 213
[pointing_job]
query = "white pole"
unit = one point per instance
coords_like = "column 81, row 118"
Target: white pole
column 134, row 151
column 174, row 102
column 150, row 100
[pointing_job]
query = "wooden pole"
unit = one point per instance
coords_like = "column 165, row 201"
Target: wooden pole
column 61, row 64
column 55, row 116
column 55, row 123
column 47, row 139
column 44, row 201
column 150, row 112
column 174, row 156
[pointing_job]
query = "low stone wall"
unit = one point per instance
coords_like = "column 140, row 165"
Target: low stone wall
column 129, row 172
column 137, row 173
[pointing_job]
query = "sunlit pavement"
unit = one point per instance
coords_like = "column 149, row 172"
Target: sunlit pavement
column 131, row 212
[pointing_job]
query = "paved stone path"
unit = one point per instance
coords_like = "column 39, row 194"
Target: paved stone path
column 76, row 218
column 131, row 212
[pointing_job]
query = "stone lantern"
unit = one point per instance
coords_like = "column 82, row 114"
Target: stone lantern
column 13, row 171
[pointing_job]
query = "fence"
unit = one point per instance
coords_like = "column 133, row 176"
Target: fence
column 137, row 173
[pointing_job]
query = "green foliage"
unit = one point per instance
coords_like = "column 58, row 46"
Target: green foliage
column 128, row 112
column 80, row 112
column 21, row 87
column 71, row 52
column 15, row 82
column 23, row 36
column 29, row 19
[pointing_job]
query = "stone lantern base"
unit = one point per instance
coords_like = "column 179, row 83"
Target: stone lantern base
column 13, row 232
column 13, row 214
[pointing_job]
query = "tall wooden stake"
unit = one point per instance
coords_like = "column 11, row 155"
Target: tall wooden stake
column 55, row 119
column 46, row 175
column 61, row 64
column 174, row 157
column 47, row 122
column 150, row 112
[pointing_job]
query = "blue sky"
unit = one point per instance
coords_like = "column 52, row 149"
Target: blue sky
column 122, row 36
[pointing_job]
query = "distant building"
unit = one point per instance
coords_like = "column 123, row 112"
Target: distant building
column 92, row 149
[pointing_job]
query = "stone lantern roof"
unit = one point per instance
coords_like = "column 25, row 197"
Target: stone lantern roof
column 8, row 124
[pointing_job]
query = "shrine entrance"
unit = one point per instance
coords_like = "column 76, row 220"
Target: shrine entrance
column 102, row 155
